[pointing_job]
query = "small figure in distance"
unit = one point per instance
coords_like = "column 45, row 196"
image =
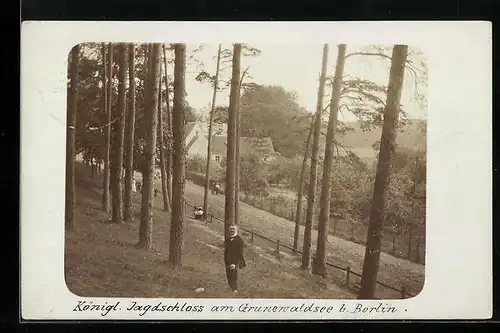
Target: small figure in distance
column 233, row 257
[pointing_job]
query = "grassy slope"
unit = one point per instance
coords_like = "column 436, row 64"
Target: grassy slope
column 101, row 259
column 344, row 228
column 393, row 271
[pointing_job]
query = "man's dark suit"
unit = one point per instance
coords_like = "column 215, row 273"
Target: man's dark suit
column 233, row 255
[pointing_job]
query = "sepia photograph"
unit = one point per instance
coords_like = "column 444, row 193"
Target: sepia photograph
column 246, row 170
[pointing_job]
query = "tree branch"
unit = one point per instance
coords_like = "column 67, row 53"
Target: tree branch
column 337, row 144
column 376, row 54
column 369, row 54
column 415, row 80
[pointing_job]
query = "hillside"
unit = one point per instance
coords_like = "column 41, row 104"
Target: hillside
column 101, row 259
column 408, row 136
column 361, row 142
column 393, row 271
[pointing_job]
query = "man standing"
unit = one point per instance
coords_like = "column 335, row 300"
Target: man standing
column 233, row 257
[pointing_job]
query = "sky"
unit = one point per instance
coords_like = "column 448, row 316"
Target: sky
column 295, row 68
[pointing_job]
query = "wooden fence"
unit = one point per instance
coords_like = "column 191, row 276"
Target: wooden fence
column 278, row 245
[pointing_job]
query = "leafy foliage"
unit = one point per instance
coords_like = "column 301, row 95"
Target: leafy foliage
column 366, row 100
column 196, row 163
column 284, row 170
column 91, row 117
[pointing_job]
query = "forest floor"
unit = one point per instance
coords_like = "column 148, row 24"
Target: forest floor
column 393, row 271
column 102, row 261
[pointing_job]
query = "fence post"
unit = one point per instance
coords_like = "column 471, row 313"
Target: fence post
column 278, row 246
column 403, row 292
column 348, row 273
column 252, row 235
column 211, row 218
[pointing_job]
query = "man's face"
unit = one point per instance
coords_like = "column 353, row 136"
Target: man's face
column 233, row 231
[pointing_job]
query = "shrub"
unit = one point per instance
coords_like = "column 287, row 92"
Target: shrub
column 253, row 175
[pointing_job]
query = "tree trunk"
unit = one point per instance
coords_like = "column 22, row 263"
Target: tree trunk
column 107, row 87
column 391, row 114
column 319, row 267
column 119, row 133
column 166, row 203
column 179, row 157
column 169, row 130
column 300, row 194
column 151, row 95
column 70, row 142
column 231, row 142
column 129, row 175
column 306, row 248
column 210, row 131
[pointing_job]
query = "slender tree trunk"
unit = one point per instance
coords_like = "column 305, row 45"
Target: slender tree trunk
column 166, row 203
column 306, row 248
column 319, row 267
column 129, row 175
column 151, row 94
column 107, row 91
column 231, row 142
column 300, row 193
column 147, row 101
column 391, row 114
column 169, row 129
column 210, row 131
column 119, row 133
column 70, row 141
column 179, row 138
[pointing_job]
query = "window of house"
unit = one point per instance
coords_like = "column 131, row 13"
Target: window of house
column 217, row 158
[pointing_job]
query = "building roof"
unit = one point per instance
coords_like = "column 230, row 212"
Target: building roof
column 262, row 146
